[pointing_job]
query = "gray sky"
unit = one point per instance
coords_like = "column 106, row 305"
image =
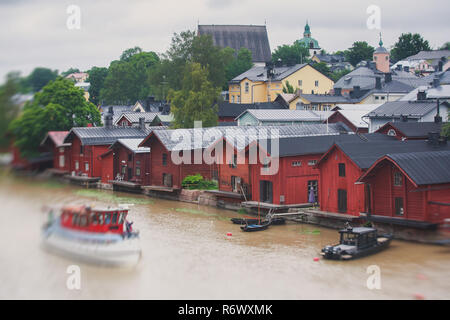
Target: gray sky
column 34, row 33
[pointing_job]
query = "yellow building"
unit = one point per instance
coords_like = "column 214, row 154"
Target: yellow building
column 263, row 84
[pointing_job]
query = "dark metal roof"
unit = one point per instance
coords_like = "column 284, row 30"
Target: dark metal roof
column 259, row 73
column 133, row 117
column 403, row 108
column 415, row 129
column 236, row 37
column 303, row 145
column 365, row 154
column 425, row 167
column 227, row 109
column 106, row 136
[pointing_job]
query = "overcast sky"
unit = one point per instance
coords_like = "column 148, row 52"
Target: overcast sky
column 34, row 33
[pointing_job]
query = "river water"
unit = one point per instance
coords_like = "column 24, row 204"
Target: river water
column 188, row 255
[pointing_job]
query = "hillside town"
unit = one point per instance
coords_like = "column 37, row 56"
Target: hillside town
column 222, row 130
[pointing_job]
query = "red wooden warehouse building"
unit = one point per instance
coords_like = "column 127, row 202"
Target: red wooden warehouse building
column 54, row 142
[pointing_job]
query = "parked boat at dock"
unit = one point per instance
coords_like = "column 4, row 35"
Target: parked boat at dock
column 355, row 243
column 255, row 226
column 93, row 235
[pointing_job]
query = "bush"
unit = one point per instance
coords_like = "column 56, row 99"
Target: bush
column 196, row 181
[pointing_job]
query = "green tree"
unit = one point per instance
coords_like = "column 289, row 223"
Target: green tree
column 445, row 46
column 39, row 77
column 97, row 76
column 126, row 81
column 127, row 54
column 290, row 54
column 240, row 64
column 322, row 67
column 335, row 76
column 409, row 44
column 360, row 51
column 288, row 88
column 197, row 100
column 8, row 109
column 445, row 131
column 69, row 71
column 59, row 106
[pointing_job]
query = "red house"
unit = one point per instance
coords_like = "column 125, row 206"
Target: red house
column 344, row 163
column 410, row 130
column 165, row 146
column 89, row 143
column 54, row 142
column 410, row 189
column 126, row 161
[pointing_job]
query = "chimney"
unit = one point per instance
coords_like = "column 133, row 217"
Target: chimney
column 337, row 91
column 433, row 138
column 406, row 68
column 437, row 118
column 440, row 65
column 142, row 124
column 109, row 118
column 387, row 77
column 436, row 81
column 399, row 67
column 356, row 90
column 421, row 95
column 404, row 118
column 378, row 83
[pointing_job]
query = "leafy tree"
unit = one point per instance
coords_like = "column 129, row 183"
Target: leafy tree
column 197, row 99
column 445, row 131
column 445, row 46
column 70, row 71
column 8, row 109
column 359, row 51
column 39, row 77
column 335, row 76
column 240, row 64
column 97, row 76
column 290, row 54
column 322, row 67
column 126, row 81
column 127, row 54
column 59, row 106
column 288, row 88
column 409, row 44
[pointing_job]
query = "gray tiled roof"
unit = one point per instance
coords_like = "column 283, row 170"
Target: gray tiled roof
column 244, row 135
column 131, row 144
column 406, row 108
column 425, row 167
column 259, row 73
column 236, row 37
column 415, row 129
column 227, row 109
column 365, row 154
column 133, row 117
column 105, row 136
column 286, row 115
column 429, row 55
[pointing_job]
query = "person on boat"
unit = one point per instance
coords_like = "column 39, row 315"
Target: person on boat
column 129, row 228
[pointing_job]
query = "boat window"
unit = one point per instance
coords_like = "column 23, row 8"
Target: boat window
column 83, row 220
column 349, row 239
column 122, row 217
column 94, row 219
column 107, row 218
column 100, row 218
column 114, row 218
column 75, row 219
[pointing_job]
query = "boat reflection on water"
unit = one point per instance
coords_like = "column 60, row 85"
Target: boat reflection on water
column 99, row 236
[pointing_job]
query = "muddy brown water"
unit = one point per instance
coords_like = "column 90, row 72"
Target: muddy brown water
column 188, row 255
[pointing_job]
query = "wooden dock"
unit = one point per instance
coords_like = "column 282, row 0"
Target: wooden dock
column 89, row 182
column 126, row 186
column 271, row 206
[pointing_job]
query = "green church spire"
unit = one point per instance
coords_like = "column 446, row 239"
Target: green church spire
column 381, row 41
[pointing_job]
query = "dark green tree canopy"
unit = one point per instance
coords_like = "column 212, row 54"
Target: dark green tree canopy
column 408, row 44
column 360, row 51
column 69, row 71
column 39, row 77
column 290, row 54
column 197, row 100
column 127, row 54
column 97, row 76
column 59, row 106
column 8, row 109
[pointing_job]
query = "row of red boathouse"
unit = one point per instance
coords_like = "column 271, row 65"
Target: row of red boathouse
column 390, row 179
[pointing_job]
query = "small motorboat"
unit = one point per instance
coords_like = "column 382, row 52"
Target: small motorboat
column 244, row 220
column 256, row 226
column 98, row 236
column 355, row 243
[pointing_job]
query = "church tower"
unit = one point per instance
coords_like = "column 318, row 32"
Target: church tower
column 381, row 58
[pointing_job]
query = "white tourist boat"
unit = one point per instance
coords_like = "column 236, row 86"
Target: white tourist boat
column 98, row 236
